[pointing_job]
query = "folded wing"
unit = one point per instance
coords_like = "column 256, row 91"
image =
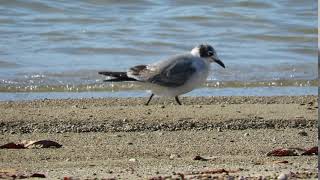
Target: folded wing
column 175, row 72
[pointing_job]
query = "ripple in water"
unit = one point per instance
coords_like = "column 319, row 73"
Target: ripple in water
column 60, row 45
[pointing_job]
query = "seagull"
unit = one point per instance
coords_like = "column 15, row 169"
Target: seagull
column 174, row 76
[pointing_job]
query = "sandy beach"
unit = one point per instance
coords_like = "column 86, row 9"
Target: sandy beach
column 123, row 139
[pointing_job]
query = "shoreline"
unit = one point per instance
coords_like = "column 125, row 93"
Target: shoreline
column 206, row 91
column 122, row 138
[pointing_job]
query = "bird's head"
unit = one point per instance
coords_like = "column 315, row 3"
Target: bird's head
column 208, row 52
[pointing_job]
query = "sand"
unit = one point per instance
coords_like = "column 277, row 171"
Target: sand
column 123, row 139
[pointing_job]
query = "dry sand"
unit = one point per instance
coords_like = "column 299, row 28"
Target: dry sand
column 123, row 139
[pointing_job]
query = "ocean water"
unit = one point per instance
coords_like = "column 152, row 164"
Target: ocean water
column 55, row 48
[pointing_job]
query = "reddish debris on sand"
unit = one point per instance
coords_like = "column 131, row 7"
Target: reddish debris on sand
column 38, row 175
column 283, row 152
column 311, row 151
column 31, row 144
column 15, row 175
column 293, row 152
column 42, row 144
column 12, row 146
column 69, row 178
column 216, row 171
column 199, row 158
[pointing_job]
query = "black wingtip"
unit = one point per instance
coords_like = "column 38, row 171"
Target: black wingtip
column 106, row 73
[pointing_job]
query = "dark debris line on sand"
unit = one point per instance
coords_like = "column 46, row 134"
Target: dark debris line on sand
column 120, row 126
column 59, row 116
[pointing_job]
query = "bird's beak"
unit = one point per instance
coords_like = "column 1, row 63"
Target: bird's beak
column 218, row 61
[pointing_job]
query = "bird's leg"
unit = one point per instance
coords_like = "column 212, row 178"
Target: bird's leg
column 149, row 99
column 177, row 99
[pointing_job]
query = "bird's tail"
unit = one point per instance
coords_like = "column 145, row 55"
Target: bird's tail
column 116, row 76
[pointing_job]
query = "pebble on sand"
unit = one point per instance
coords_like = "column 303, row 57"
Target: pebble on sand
column 303, row 133
column 283, row 177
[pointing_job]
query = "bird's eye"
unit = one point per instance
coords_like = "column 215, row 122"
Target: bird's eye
column 210, row 53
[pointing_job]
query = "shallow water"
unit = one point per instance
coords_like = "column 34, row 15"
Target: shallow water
column 61, row 45
column 255, row 91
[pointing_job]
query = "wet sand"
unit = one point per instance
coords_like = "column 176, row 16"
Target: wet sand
column 122, row 138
